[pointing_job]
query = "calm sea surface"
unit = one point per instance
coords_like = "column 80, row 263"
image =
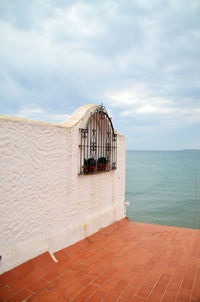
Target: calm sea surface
column 163, row 187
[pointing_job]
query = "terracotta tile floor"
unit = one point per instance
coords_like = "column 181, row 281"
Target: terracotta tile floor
column 124, row 262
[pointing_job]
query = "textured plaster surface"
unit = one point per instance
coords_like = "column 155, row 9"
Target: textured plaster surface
column 45, row 204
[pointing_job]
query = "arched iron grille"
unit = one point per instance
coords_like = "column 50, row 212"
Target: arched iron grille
column 98, row 149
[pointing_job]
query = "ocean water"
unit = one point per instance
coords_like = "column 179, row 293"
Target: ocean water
column 163, row 187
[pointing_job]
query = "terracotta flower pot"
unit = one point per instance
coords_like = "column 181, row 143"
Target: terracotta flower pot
column 91, row 168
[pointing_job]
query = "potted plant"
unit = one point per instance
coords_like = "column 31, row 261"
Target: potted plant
column 101, row 165
column 91, row 164
column 85, row 167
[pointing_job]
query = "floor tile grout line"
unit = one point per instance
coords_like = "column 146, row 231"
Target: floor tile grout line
column 157, row 281
column 182, row 278
column 178, row 291
column 198, row 268
column 173, row 243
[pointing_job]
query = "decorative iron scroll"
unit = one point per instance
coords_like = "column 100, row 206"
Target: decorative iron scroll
column 98, row 148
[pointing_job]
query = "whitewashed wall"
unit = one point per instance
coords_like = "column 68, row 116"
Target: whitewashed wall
column 45, row 205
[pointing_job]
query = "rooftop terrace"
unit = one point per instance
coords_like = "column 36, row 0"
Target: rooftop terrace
column 124, row 262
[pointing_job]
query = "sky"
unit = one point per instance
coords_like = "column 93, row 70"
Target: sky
column 140, row 58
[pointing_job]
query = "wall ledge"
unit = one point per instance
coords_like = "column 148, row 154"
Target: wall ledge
column 79, row 114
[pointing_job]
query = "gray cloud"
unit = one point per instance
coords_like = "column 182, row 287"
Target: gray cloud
column 140, row 57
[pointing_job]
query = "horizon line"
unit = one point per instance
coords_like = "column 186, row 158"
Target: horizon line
column 164, row 150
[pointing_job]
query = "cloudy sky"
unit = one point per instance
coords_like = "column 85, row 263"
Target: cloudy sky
column 141, row 58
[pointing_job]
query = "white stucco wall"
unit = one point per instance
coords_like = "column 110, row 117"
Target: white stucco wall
column 45, row 204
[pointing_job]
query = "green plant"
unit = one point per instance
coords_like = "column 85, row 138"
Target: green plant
column 91, row 161
column 102, row 160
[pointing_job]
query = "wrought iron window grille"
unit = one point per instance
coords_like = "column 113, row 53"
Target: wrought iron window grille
column 98, row 148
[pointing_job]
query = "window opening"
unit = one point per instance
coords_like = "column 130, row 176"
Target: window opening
column 98, row 148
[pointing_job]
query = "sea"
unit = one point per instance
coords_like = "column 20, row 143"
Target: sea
column 163, row 187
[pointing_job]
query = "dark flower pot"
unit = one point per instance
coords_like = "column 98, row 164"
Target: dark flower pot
column 85, row 167
column 101, row 165
column 91, row 165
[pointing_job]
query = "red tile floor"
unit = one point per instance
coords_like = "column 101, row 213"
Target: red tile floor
column 124, row 262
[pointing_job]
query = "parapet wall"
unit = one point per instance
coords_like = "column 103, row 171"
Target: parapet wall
column 45, row 205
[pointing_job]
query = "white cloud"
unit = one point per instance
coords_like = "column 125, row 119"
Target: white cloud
column 128, row 96
column 32, row 112
column 25, row 111
column 139, row 101
column 149, row 109
column 191, row 115
column 184, row 115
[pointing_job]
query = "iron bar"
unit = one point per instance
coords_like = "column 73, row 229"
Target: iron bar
column 98, row 149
